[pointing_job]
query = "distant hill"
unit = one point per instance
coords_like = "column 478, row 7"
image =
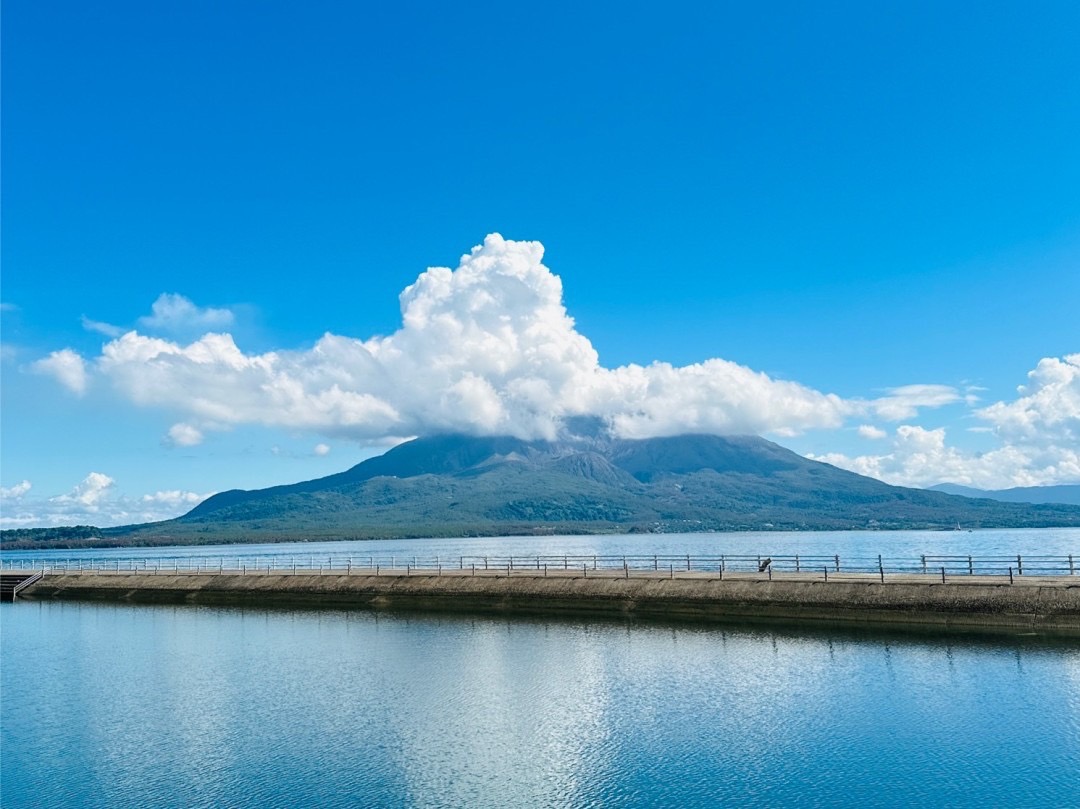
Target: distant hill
column 456, row 485
column 1068, row 494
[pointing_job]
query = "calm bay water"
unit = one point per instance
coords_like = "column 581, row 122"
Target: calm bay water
column 150, row 706
column 896, row 544
column 109, row 705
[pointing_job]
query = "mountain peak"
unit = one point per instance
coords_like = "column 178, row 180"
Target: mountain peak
column 589, row 480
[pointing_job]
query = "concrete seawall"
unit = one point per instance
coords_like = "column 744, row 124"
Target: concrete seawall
column 1031, row 604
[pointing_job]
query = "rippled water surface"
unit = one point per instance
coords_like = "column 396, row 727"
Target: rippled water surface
column 148, row 706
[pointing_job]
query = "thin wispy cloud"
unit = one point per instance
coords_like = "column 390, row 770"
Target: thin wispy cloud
column 871, row 432
column 108, row 329
column 905, row 402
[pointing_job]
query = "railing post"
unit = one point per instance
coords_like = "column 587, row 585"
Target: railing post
column 837, row 559
column 924, row 564
column 1010, row 575
column 797, row 570
column 687, row 561
column 1070, row 564
column 826, row 569
column 971, row 567
column 942, row 575
column 1019, row 566
column 881, row 568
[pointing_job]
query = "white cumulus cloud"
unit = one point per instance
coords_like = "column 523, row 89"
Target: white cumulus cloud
column 93, row 501
column 489, row 348
column 173, row 499
column 89, row 492
column 322, row 449
column 15, row 492
column 184, row 435
column 485, row 348
column 175, row 313
column 1048, row 410
column 922, row 457
column 67, row 367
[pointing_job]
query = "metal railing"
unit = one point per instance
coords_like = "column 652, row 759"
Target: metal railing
column 764, row 565
column 26, row 583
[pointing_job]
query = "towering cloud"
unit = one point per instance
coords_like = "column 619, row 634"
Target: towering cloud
column 485, row 348
column 489, row 348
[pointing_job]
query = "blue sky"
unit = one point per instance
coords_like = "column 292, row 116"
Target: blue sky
column 853, row 228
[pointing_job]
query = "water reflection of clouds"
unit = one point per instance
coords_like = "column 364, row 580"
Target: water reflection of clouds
column 500, row 714
column 737, row 700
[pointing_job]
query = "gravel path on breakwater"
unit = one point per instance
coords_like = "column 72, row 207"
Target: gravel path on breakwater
column 1030, row 603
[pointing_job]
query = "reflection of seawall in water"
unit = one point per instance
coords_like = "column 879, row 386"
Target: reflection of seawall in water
column 1032, row 603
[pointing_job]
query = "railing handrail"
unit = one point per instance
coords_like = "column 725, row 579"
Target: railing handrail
column 953, row 564
column 27, row 582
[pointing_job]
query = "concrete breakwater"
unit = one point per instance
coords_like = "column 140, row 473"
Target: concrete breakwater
column 1045, row 604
